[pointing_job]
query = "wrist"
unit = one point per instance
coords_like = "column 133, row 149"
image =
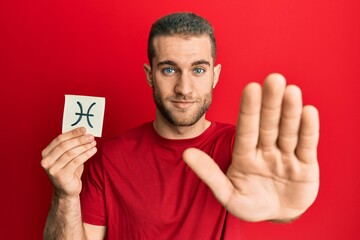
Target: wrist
column 64, row 196
column 64, row 199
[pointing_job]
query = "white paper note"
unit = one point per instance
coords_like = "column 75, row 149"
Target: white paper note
column 84, row 111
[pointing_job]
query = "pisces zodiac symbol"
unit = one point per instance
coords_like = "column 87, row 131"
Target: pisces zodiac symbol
column 81, row 114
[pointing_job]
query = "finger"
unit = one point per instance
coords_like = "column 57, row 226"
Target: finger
column 74, row 155
column 63, row 147
column 247, row 130
column 209, row 172
column 306, row 149
column 290, row 119
column 273, row 93
column 63, row 137
column 77, row 162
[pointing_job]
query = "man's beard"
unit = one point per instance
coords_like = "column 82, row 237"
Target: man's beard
column 189, row 120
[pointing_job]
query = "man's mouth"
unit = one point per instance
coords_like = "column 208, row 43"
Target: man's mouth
column 182, row 104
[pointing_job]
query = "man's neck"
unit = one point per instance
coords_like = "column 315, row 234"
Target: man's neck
column 169, row 131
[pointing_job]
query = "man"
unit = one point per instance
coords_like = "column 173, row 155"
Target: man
column 146, row 183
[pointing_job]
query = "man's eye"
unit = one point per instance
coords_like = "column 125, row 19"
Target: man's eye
column 199, row 70
column 169, row 71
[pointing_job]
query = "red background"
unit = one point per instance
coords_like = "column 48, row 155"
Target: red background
column 50, row 48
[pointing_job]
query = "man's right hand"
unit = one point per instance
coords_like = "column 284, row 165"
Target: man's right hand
column 63, row 160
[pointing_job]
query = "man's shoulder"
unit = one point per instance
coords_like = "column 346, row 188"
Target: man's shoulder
column 218, row 133
column 223, row 128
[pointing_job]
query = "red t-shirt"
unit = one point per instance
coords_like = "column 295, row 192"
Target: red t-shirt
column 140, row 188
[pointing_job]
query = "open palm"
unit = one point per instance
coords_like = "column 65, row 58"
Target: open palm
column 274, row 173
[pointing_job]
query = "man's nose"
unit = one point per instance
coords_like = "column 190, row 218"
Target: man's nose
column 184, row 84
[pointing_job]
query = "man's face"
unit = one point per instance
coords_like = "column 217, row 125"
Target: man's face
column 182, row 77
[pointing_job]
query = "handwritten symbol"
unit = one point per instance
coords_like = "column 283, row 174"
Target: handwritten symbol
column 81, row 114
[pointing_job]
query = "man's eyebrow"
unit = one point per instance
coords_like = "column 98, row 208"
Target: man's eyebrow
column 167, row 62
column 172, row 63
column 200, row 62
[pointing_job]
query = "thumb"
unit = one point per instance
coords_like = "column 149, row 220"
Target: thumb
column 210, row 173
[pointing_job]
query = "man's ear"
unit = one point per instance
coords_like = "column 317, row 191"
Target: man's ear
column 148, row 73
column 217, row 70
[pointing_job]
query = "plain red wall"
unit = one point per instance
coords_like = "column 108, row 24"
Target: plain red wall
column 52, row 48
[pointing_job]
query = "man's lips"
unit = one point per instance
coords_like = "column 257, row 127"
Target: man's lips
column 182, row 104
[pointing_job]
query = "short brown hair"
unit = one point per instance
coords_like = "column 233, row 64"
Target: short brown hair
column 183, row 24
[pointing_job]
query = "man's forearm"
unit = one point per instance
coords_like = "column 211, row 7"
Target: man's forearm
column 64, row 220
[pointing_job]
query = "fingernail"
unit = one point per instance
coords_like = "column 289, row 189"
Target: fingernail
column 82, row 130
column 90, row 137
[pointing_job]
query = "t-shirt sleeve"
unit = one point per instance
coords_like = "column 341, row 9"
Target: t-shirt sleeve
column 92, row 195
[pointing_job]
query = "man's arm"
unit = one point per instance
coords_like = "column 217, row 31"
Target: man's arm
column 64, row 222
column 64, row 219
column 63, row 160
